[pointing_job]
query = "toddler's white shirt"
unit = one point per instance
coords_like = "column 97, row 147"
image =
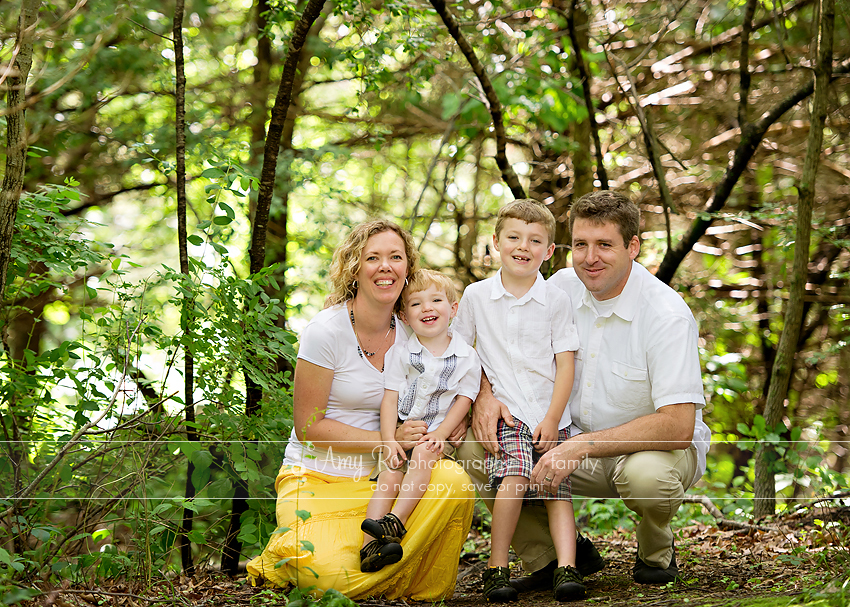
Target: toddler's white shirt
column 428, row 385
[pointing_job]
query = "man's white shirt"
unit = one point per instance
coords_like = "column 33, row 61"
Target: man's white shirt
column 636, row 357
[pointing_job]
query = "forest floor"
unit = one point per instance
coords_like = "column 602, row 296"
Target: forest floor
column 798, row 559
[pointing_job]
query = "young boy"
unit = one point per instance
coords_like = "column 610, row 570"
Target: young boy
column 523, row 330
column 434, row 378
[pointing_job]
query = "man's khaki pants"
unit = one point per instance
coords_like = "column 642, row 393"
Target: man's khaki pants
column 651, row 483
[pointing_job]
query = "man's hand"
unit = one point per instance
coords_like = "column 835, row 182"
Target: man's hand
column 558, row 463
column 486, row 413
column 409, row 433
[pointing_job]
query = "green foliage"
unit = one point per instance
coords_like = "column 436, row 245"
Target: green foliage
column 330, row 598
column 99, row 449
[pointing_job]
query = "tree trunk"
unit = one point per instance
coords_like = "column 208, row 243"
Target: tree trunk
column 254, row 393
column 764, row 491
column 16, row 137
column 10, row 194
column 182, row 234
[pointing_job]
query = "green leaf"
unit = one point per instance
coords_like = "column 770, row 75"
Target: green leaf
column 213, row 173
column 282, row 562
column 195, row 240
column 280, row 530
column 197, row 537
column 222, row 220
column 303, row 514
column 200, row 477
column 308, row 546
column 202, row 458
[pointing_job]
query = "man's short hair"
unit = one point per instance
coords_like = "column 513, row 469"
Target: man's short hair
column 529, row 211
column 422, row 279
column 608, row 206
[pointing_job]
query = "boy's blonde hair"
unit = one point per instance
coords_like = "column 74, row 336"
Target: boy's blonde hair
column 422, row 279
column 529, row 211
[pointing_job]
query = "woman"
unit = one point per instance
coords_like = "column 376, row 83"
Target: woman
column 337, row 395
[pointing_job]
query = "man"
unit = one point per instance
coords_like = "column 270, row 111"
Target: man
column 637, row 431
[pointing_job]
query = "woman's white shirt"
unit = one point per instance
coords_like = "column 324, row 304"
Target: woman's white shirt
column 328, row 341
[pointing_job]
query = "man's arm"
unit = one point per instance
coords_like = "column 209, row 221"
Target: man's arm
column 670, row 427
column 486, row 413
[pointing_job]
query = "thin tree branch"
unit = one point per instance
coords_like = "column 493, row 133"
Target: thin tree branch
column 751, row 137
column 493, row 103
column 584, row 78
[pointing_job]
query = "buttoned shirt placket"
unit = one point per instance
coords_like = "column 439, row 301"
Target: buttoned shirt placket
column 536, row 410
column 591, row 364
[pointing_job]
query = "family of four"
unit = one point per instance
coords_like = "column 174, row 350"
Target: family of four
column 591, row 383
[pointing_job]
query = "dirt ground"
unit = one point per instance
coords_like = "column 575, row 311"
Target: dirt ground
column 725, row 564
column 734, row 561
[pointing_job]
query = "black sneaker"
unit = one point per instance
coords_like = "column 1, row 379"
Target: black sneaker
column 566, row 584
column 588, row 559
column 497, row 585
column 374, row 556
column 588, row 562
column 388, row 529
column 647, row 574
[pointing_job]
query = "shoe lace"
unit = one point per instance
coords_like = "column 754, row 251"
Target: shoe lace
column 371, row 549
column 392, row 526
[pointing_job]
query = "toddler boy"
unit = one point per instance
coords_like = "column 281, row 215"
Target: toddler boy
column 434, row 378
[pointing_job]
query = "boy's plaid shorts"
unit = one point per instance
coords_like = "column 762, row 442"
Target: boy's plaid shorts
column 517, row 457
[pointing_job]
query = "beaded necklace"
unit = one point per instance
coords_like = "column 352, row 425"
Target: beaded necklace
column 360, row 349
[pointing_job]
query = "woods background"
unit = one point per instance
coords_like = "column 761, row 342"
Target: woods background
column 177, row 176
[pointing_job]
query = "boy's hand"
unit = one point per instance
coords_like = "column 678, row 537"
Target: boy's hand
column 394, row 455
column 434, row 443
column 459, row 433
column 545, row 436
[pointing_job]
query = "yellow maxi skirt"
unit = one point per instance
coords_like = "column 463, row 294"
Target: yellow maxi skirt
column 323, row 551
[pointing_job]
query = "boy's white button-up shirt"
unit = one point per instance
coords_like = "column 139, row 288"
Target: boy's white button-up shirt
column 428, row 385
column 635, row 358
column 517, row 340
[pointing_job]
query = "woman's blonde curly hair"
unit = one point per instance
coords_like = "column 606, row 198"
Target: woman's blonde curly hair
column 346, row 259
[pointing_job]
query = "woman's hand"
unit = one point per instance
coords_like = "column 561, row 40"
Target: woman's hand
column 409, row 433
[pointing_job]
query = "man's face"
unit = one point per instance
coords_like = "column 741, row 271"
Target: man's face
column 601, row 259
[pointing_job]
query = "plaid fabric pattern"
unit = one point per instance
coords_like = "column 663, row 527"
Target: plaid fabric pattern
column 517, row 458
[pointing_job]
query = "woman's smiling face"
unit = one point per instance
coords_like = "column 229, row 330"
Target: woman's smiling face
column 383, row 268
